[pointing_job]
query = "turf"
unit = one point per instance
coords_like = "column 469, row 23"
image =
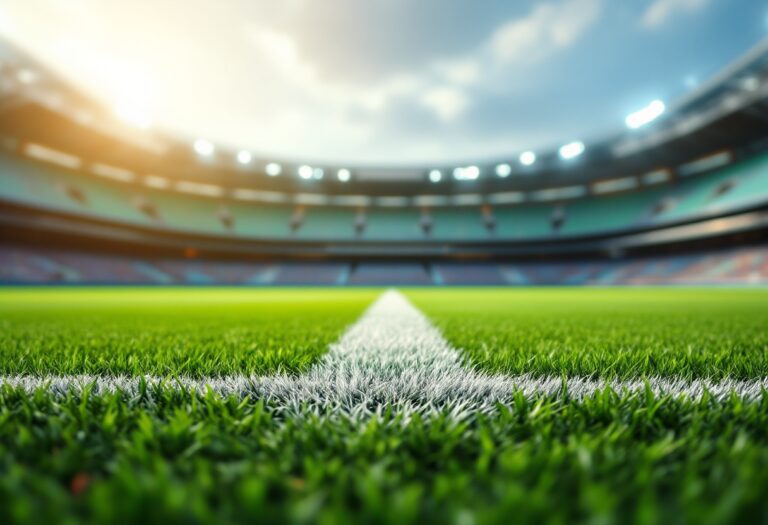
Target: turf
column 171, row 332
column 606, row 332
column 168, row 456
column 174, row 458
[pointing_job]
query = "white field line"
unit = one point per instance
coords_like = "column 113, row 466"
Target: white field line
column 394, row 357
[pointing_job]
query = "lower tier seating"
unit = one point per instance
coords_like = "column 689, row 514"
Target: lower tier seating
column 742, row 266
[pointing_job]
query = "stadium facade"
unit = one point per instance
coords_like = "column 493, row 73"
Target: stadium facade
column 86, row 198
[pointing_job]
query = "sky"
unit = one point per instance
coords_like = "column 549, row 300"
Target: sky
column 385, row 81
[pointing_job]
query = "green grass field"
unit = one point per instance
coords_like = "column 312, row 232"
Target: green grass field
column 170, row 456
column 197, row 332
column 608, row 332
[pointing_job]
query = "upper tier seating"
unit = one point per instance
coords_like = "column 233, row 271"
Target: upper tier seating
column 393, row 224
column 733, row 186
column 43, row 186
column 611, row 212
column 525, row 221
column 463, row 223
column 327, row 223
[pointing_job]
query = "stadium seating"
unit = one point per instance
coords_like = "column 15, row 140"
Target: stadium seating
column 523, row 222
column 39, row 185
column 731, row 187
column 462, row 223
column 385, row 274
column 741, row 266
column 393, row 224
column 611, row 212
column 42, row 186
column 290, row 274
column 468, row 274
column 328, row 223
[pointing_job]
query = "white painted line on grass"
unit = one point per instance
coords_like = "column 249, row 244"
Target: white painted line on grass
column 394, row 357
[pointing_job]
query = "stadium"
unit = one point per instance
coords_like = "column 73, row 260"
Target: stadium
column 198, row 333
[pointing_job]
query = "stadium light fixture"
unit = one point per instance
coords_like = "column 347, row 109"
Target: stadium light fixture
column 751, row 83
column 244, row 157
column 343, row 175
column 503, row 170
column 133, row 115
column 273, row 169
column 645, row 116
column 26, row 76
column 305, row 172
column 435, row 176
column 204, row 148
column 466, row 173
column 571, row 150
column 318, row 173
column 527, row 158
column 155, row 181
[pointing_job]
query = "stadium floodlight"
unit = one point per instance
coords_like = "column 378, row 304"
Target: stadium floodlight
column 751, row 83
column 343, row 175
column 204, row 148
column 645, row 116
column 26, row 76
column 527, row 158
column 503, row 170
column 318, row 173
column 134, row 115
column 305, row 172
column 435, row 175
column 571, row 150
column 244, row 157
column 273, row 169
column 466, row 173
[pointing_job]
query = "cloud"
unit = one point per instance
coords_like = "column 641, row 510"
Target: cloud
column 434, row 88
column 545, row 30
column 276, row 83
column 460, row 71
column 447, row 102
column 548, row 28
column 287, row 62
column 661, row 11
column 446, row 85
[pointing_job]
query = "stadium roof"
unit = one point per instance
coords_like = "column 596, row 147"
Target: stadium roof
column 390, row 83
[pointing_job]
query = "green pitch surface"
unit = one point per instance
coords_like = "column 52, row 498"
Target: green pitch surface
column 170, row 456
column 191, row 332
column 606, row 332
